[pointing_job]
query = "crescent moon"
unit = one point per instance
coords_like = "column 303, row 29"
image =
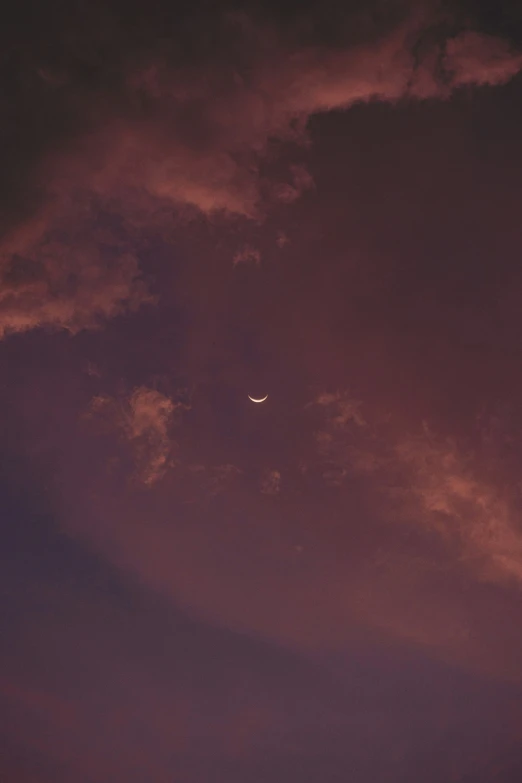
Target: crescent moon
column 253, row 399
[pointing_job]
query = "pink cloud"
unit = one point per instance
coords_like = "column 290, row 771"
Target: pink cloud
column 198, row 134
column 144, row 419
column 247, row 255
column 472, row 58
column 434, row 484
column 60, row 270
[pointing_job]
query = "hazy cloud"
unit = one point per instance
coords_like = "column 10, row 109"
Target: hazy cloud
column 275, row 87
column 247, row 255
column 144, row 419
column 434, row 484
column 472, row 58
column 271, row 482
column 64, row 271
column 301, row 180
column 463, row 507
column 282, row 239
column 167, row 134
column 220, row 478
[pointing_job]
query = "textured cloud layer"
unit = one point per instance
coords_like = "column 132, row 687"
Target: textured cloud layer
column 205, row 135
column 67, row 272
column 432, row 482
column 144, row 420
column 146, row 133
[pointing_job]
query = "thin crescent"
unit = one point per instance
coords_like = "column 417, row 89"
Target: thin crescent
column 254, row 400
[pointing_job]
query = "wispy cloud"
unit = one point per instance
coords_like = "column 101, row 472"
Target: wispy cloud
column 271, row 482
column 435, row 484
column 144, row 419
column 247, row 255
column 62, row 270
column 167, row 135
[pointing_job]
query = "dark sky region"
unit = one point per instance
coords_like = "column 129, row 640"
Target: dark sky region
column 316, row 201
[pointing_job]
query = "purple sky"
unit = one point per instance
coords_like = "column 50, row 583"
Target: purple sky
column 320, row 204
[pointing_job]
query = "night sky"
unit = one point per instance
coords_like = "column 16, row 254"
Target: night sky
column 320, row 202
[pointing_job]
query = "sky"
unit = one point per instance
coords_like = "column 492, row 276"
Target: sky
column 318, row 202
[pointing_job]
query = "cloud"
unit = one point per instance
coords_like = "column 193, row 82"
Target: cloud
column 203, row 482
column 144, row 419
column 406, row 523
column 282, row 239
column 65, row 272
column 300, row 181
column 271, row 92
column 247, row 255
column 432, row 482
column 271, row 482
column 445, row 490
column 472, row 58
column 156, row 132
column 337, row 438
column 342, row 409
column 221, row 477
